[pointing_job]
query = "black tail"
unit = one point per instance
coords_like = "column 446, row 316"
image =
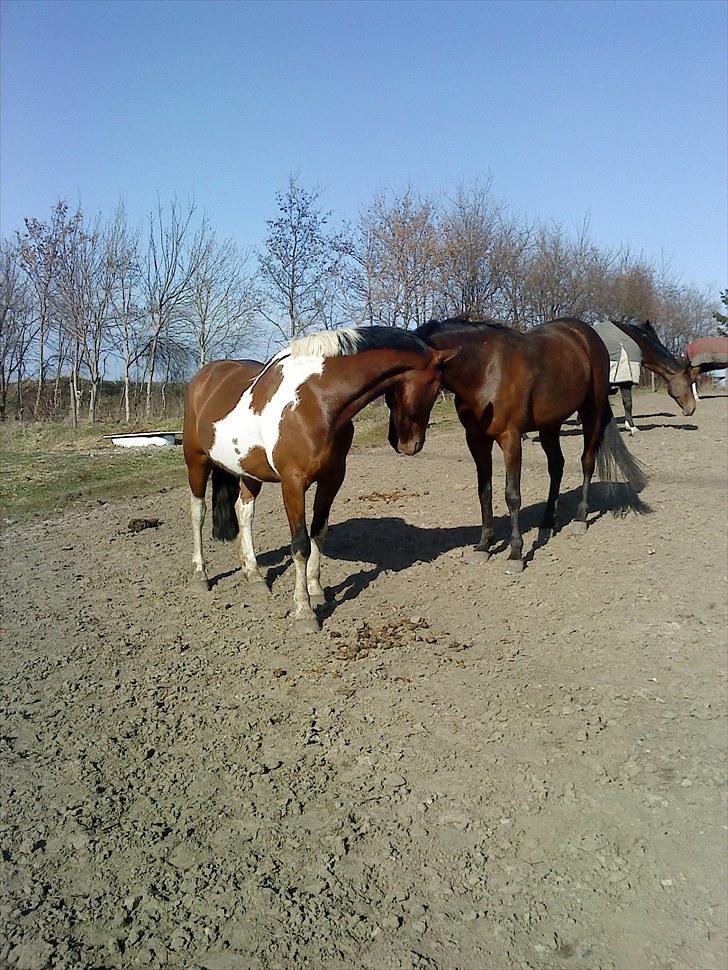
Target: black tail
column 614, row 459
column 225, row 492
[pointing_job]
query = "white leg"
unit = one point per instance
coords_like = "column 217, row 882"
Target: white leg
column 197, row 515
column 245, row 512
column 695, row 391
column 305, row 617
column 313, row 569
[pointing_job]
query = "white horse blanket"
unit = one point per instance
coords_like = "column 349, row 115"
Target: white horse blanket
column 625, row 357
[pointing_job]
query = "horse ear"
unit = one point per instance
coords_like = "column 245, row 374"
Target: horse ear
column 443, row 356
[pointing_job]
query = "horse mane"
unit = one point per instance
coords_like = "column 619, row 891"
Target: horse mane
column 355, row 340
column 462, row 324
column 649, row 335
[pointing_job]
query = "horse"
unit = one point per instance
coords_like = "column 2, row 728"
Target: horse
column 658, row 359
column 290, row 421
column 704, row 355
column 506, row 383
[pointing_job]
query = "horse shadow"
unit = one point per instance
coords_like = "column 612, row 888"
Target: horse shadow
column 390, row 544
column 572, row 428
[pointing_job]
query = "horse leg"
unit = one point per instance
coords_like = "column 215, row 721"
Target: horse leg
column 326, row 491
column 592, row 423
column 481, row 448
column 245, row 511
column 695, row 391
column 626, row 390
column 198, row 472
column 551, row 444
column 295, row 503
column 510, row 444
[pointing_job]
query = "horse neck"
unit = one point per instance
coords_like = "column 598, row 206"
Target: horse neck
column 463, row 375
column 361, row 378
column 655, row 356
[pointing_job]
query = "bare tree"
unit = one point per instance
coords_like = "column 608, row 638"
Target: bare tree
column 396, row 254
column 40, row 246
column 223, row 302
column 173, row 256
column 18, row 326
column 127, row 315
column 684, row 313
column 300, row 263
column 475, row 238
column 628, row 293
column 87, row 279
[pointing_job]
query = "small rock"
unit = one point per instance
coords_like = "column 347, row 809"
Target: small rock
column 394, row 781
column 138, row 525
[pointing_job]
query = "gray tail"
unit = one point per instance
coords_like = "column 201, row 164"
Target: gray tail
column 614, row 460
column 225, row 492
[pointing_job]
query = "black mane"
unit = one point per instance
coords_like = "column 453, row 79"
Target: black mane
column 394, row 338
column 455, row 324
column 649, row 334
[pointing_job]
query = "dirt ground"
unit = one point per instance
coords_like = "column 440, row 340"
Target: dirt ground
column 465, row 769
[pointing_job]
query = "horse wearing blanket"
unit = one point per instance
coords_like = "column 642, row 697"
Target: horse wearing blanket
column 632, row 344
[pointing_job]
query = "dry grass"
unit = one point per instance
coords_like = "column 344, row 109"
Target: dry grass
column 47, row 467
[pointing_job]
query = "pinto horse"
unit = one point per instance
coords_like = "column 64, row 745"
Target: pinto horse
column 507, row 383
column 657, row 358
column 290, row 421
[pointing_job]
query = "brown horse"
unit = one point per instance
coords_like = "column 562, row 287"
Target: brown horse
column 290, row 421
column 657, row 358
column 507, row 383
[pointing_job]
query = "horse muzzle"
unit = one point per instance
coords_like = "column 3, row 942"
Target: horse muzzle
column 410, row 447
column 688, row 410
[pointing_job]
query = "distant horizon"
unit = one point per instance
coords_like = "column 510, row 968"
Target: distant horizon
column 609, row 113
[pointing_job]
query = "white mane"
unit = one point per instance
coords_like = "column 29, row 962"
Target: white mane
column 328, row 343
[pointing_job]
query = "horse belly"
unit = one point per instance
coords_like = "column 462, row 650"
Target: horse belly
column 555, row 405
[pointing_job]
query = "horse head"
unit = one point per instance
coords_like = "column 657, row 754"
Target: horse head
column 680, row 389
column 410, row 399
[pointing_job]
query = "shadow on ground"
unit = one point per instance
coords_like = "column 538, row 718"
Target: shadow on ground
column 389, row 544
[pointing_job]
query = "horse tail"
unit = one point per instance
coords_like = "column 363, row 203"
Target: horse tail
column 225, row 492
column 613, row 456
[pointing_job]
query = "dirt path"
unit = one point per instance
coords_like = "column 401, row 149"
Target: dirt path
column 464, row 770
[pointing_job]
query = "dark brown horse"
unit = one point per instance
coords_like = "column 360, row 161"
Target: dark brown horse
column 290, row 421
column 507, row 383
column 657, row 358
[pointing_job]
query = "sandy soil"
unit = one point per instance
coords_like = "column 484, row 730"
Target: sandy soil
column 463, row 770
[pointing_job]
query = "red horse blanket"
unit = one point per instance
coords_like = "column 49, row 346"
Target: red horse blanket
column 708, row 350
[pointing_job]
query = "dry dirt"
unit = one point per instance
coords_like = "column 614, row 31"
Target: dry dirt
column 464, row 770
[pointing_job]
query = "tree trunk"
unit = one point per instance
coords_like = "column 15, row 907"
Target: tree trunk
column 41, row 364
column 19, row 397
column 150, row 373
column 127, row 408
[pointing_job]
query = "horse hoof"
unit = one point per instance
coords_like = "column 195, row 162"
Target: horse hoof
column 514, row 566
column 544, row 535
column 317, row 599
column 578, row 528
column 199, row 581
column 258, row 583
column 307, row 624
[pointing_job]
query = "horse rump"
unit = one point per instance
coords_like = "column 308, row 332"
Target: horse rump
column 614, row 460
column 225, row 492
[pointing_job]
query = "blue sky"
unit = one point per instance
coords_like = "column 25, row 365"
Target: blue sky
column 611, row 111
